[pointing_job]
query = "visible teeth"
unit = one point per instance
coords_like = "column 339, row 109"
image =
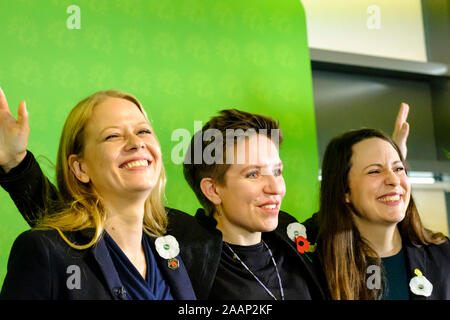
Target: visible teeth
column 270, row 206
column 138, row 163
column 390, row 198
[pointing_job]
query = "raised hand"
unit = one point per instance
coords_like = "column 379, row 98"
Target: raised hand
column 13, row 134
column 401, row 129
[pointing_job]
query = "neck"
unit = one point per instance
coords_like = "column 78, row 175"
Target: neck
column 233, row 234
column 384, row 239
column 124, row 223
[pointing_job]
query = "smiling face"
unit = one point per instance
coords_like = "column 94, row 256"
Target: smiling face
column 379, row 187
column 249, row 201
column 121, row 155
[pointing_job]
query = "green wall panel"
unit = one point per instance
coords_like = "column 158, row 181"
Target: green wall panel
column 184, row 60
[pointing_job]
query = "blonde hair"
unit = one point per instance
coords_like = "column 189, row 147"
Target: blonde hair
column 82, row 205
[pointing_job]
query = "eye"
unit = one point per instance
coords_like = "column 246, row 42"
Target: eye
column 111, row 136
column 278, row 172
column 373, row 172
column 144, row 131
column 252, row 174
column 399, row 169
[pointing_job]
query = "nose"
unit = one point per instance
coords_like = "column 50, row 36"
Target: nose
column 274, row 185
column 134, row 142
column 392, row 178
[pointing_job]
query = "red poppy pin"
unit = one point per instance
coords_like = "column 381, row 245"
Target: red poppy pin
column 297, row 233
column 302, row 244
column 173, row 263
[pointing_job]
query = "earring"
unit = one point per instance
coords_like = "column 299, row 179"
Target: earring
column 218, row 211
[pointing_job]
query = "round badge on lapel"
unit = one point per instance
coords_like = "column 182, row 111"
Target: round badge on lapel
column 167, row 247
column 173, row 263
column 420, row 285
column 296, row 229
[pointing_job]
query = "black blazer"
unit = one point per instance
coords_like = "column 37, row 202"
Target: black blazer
column 434, row 263
column 201, row 249
column 42, row 266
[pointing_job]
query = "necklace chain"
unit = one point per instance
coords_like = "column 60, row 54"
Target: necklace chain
column 254, row 275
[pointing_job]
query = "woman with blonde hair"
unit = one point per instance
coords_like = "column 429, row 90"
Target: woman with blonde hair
column 106, row 240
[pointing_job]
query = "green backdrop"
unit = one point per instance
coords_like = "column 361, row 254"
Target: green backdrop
column 184, row 60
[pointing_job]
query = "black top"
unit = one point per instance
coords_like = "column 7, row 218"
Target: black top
column 234, row 282
column 396, row 285
column 153, row 287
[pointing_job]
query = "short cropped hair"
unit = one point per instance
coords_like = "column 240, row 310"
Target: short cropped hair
column 230, row 121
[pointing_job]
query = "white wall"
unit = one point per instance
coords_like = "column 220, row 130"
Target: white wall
column 432, row 208
column 384, row 28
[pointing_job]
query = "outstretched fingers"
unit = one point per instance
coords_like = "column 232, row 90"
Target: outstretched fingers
column 22, row 115
column 3, row 101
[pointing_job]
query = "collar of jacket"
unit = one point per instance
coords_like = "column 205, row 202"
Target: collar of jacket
column 280, row 233
column 178, row 279
column 211, row 253
column 207, row 221
column 101, row 255
column 284, row 219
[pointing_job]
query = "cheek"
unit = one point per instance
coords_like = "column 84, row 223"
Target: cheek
column 153, row 147
column 283, row 189
column 406, row 184
column 100, row 158
column 407, row 188
column 241, row 193
column 361, row 195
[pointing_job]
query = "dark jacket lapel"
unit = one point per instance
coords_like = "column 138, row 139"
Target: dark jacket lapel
column 101, row 255
column 416, row 258
column 209, row 263
column 177, row 279
column 200, row 247
column 281, row 232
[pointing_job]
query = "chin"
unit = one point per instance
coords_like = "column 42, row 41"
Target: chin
column 141, row 188
column 270, row 225
column 396, row 218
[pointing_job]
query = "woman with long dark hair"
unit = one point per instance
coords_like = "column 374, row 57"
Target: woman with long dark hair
column 371, row 241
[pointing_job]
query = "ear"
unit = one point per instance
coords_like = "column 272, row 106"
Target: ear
column 77, row 167
column 347, row 197
column 209, row 189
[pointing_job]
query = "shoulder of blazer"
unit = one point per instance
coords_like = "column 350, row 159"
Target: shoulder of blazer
column 200, row 247
column 42, row 239
column 179, row 221
column 433, row 261
column 432, row 253
column 284, row 219
column 35, row 265
column 30, row 267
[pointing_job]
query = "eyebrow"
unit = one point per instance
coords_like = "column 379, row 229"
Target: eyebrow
column 278, row 165
column 380, row 165
column 118, row 127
